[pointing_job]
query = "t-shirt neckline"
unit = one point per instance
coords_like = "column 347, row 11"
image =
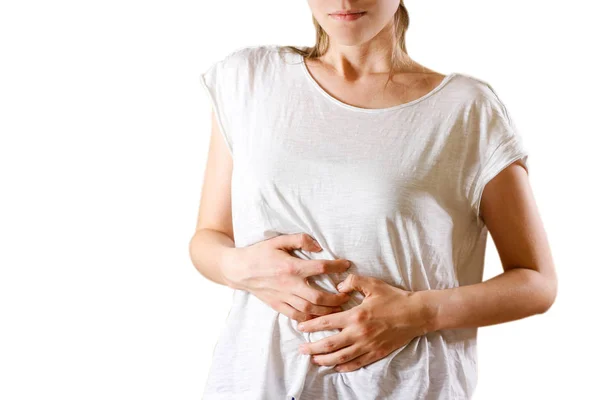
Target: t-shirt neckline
column 310, row 78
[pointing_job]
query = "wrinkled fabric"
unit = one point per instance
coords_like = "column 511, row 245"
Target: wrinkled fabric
column 395, row 190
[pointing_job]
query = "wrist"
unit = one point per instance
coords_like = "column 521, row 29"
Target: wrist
column 230, row 265
column 427, row 309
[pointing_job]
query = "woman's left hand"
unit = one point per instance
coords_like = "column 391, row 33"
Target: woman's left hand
column 387, row 319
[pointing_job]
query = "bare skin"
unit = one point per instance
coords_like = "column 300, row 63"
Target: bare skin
column 368, row 90
column 354, row 70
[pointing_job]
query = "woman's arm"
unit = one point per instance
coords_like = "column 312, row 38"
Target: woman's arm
column 213, row 238
column 529, row 284
column 266, row 269
column 390, row 317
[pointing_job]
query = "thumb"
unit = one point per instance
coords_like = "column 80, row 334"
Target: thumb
column 360, row 283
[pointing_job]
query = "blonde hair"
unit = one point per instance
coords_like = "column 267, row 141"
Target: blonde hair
column 400, row 26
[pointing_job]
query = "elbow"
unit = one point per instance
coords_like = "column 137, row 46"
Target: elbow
column 191, row 247
column 192, row 252
column 547, row 290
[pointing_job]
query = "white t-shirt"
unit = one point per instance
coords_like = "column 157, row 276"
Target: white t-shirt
column 394, row 190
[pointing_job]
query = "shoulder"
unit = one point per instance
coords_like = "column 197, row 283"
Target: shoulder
column 478, row 94
column 476, row 88
column 244, row 72
column 235, row 67
column 249, row 57
column 250, row 68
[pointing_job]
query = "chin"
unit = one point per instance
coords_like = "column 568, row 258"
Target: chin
column 348, row 38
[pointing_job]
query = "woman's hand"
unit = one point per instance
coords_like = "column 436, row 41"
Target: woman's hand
column 387, row 319
column 268, row 271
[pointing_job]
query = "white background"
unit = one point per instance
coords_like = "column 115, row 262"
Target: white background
column 105, row 130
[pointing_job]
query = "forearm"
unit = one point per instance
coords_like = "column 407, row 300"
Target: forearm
column 514, row 294
column 209, row 251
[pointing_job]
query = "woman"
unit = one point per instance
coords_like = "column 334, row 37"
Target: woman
column 398, row 173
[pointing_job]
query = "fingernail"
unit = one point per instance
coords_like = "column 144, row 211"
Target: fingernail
column 339, row 286
column 301, row 327
column 317, row 244
column 348, row 263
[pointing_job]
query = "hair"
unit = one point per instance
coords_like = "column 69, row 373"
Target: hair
column 400, row 26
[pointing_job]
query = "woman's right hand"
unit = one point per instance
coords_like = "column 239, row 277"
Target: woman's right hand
column 278, row 278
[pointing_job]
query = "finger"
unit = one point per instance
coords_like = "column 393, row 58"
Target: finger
column 291, row 312
column 316, row 267
column 328, row 344
column 296, row 241
column 320, row 297
column 363, row 284
column 341, row 356
column 361, row 361
column 307, row 307
column 326, row 322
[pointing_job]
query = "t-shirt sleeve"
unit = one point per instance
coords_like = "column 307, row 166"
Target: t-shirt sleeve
column 215, row 85
column 498, row 144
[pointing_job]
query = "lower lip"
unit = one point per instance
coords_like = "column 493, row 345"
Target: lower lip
column 347, row 17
